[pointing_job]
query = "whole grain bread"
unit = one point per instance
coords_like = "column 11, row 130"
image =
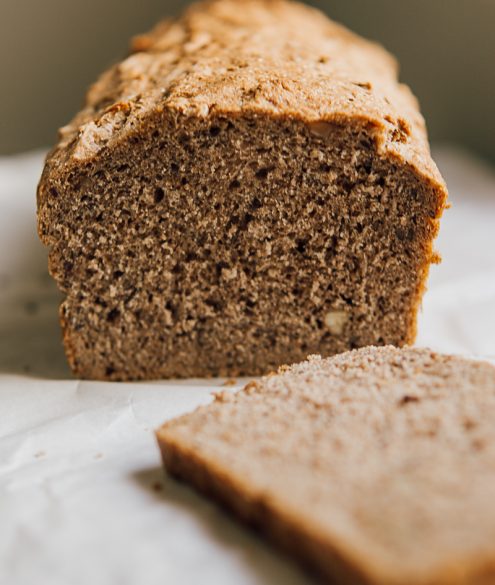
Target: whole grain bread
column 376, row 466
column 252, row 184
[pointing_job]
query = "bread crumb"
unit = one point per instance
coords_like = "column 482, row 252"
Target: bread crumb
column 407, row 398
column 320, row 128
column 223, row 396
column 230, row 382
column 335, row 321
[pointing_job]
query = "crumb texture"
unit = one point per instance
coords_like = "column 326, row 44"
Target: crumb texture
column 252, row 184
column 375, row 466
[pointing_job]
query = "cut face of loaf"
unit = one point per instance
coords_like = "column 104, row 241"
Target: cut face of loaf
column 249, row 186
column 374, row 467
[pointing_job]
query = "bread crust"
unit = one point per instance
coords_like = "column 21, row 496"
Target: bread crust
column 273, row 58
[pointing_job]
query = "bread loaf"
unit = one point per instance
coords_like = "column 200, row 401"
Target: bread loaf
column 252, row 184
column 374, row 467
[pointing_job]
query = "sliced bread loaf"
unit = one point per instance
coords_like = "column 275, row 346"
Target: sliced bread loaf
column 251, row 185
column 376, row 466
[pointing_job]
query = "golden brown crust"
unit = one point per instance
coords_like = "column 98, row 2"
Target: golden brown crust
column 275, row 58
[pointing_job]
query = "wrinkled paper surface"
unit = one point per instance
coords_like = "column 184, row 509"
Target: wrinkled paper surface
column 83, row 499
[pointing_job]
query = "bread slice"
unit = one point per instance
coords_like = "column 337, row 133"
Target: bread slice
column 252, row 184
column 376, row 466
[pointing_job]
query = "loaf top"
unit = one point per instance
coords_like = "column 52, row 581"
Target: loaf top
column 275, row 58
column 383, row 456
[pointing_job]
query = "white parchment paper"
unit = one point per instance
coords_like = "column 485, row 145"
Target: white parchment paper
column 83, row 499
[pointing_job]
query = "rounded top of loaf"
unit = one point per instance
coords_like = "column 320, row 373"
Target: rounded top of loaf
column 273, row 58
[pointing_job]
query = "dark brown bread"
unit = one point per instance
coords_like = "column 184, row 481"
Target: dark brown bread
column 375, row 467
column 251, row 185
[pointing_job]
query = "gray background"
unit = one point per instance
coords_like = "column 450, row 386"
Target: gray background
column 50, row 50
